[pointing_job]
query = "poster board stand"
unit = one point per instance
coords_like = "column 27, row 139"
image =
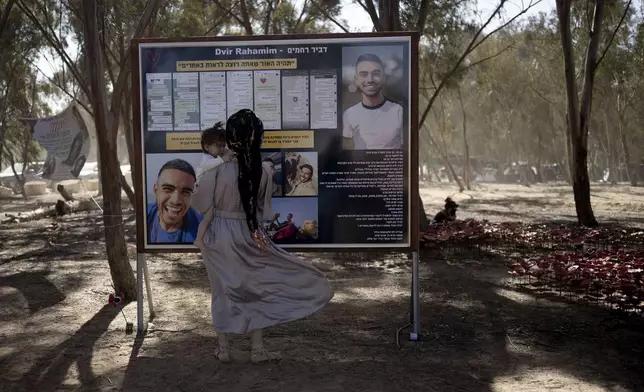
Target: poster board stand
column 414, row 335
column 317, row 96
column 141, row 275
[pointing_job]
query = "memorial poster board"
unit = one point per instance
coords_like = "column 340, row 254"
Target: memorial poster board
column 341, row 134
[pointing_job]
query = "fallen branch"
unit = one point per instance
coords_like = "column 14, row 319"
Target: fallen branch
column 64, row 193
column 59, row 209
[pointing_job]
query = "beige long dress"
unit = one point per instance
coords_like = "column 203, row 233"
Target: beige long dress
column 251, row 288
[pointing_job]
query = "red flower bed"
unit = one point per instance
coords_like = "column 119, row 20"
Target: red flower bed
column 614, row 276
column 473, row 231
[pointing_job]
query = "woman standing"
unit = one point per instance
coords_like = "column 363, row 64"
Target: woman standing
column 254, row 283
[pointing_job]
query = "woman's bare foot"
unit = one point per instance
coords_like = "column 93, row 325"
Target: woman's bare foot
column 263, row 355
column 223, row 354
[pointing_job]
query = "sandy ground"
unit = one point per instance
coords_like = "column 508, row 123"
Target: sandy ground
column 480, row 332
column 621, row 204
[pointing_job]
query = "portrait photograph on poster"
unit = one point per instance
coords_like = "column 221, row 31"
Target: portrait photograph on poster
column 374, row 97
column 295, row 220
column 301, row 172
column 273, row 160
column 170, row 181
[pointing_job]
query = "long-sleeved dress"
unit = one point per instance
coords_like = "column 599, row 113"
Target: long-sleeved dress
column 251, row 288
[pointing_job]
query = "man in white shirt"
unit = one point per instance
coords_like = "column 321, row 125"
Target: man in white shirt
column 375, row 123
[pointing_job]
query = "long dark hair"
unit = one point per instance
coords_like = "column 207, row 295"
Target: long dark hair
column 244, row 135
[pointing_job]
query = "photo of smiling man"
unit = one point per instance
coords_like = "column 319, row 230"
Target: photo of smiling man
column 170, row 218
column 374, row 77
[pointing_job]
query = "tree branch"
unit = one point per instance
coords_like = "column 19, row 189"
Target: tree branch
column 229, row 12
column 124, row 69
column 4, row 16
column 590, row 68
column 329, row 17
column 59, row 85
column 299, row 19
column 422, row 16
column 245, row 17
column 215, row 25
column 458, row 63
column 73, row 9
column 541, row 95
column 612, row 37
column 269, row 15
column 472, row 46
column 57, row 46
column 368, row 6
column 106, row 51
column 474, row 64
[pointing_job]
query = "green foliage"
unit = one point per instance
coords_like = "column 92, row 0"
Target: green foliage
column 511, row 84
column 19, row 96
column 516, row 100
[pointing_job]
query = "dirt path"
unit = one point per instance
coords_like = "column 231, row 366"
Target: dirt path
column 480, row 333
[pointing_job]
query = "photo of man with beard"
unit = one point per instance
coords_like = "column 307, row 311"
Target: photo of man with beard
column 171, row 219
column 376, row 122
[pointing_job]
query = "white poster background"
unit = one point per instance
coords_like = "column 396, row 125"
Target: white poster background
column 67, row 141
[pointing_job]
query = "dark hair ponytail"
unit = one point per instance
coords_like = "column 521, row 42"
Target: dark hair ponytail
column 244, row 135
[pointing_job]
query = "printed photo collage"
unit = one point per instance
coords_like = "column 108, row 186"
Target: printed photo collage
column 283, row 99
column 169, row 192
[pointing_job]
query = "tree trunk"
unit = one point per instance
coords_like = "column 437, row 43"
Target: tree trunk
column 461, row 188
column 2, row 123
column 609, row 151
column 127, row 188
column 451, row 173
column 25, row 161
column 466, row 148
column 581, row 186
column 20, row 179
column 579, row 118
column 539, row 154
column 4, row 15
column 567, row 164
column 630, row 172
column 436, row 173
column 129, row 142
column 127, row 128
column 117, row 257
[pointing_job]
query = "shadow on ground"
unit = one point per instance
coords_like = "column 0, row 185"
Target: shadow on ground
column 34, row 286
column 475, row 332
column 50, row 370
column 70, row 237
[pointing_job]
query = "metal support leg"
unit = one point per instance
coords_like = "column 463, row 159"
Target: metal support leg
column 415, row 295
column 148, row 288
column 140, row 324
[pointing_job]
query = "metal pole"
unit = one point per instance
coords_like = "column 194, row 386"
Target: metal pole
column 148, row 288
column 140, row 260
column 415, row 287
